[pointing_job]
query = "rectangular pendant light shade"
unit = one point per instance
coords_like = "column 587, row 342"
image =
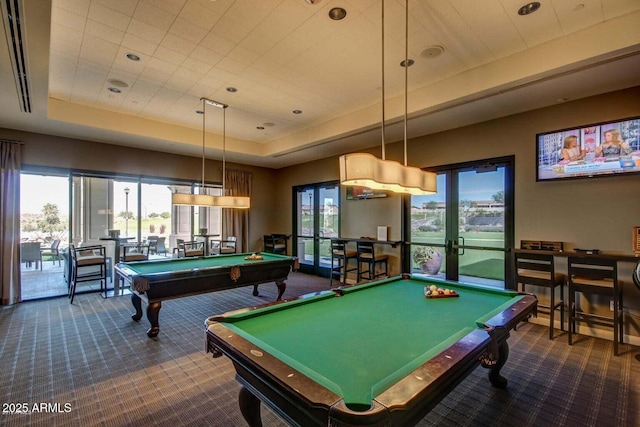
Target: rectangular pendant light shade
column 231, row 202
column 191, row 199
column 367, row 170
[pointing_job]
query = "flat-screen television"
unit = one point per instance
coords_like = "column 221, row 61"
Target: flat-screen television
column 363, row 193
column 599, row 149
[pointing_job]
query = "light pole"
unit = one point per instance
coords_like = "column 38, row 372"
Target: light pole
column 126, row 211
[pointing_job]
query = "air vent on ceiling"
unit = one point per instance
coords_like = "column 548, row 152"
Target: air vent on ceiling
column 13, row 18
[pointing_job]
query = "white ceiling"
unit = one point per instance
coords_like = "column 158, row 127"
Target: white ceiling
column 284, row 55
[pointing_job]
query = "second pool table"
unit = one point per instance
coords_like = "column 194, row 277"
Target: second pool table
column 156, row 281
column 375, row 354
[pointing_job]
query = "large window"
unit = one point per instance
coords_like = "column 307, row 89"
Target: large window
column 138, row 208
column 80, row 208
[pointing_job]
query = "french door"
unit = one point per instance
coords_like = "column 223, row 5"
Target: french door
column 317, row 220
column 467, row 226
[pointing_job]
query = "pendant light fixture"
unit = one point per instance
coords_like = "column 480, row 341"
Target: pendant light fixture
column 223, row 201
column 366, row 170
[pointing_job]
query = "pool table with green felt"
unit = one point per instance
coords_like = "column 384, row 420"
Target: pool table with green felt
column 155, row 281
column 374, row 354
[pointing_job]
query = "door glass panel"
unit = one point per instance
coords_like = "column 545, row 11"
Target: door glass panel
column 328, row 211
column 428, row 227
column 481, row 221
column 155, row 213
column 305, row 226
column 125, row 208
column 44, row 218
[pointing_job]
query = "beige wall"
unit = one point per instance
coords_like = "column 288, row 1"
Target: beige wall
column 584, row 213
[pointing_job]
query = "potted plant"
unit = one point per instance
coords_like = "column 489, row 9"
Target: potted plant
column 428, row 258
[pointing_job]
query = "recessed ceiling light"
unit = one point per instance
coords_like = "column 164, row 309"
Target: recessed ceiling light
column 297, row 111
column 529, row 8
column 118, row 83
column 410, row 62
column 561, row 100
column 432, row 52
column 132, row 56
column 114, row 90
column 337, row 13
column 232, row 89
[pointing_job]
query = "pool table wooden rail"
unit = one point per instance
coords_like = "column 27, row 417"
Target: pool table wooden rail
column 153, row 288
column 263, row 377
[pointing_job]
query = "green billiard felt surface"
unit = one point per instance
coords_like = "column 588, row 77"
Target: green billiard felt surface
column 361, row 343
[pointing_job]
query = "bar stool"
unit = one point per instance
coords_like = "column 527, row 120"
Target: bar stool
column 194, row 248
column 88, row 263
column 367, row 255
column 341, row 255
column 593, row 275
column 275, row 243
column 538, row 270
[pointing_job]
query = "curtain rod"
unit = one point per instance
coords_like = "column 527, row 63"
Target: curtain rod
column 10, row 141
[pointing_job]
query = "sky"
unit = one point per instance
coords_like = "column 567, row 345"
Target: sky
column 473, row 186
column 38, row 190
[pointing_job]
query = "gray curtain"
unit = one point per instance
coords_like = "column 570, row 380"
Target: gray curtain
column 10, row 160
column 236, row 221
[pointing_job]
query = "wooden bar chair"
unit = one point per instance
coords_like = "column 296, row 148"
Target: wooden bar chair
column 228, row 246
column 589, row 276
column 340, row 257
column 367, row 255
column 275, row 243
column 193, row 248
column 538, row 270
column 88, row 263
column 135, row 252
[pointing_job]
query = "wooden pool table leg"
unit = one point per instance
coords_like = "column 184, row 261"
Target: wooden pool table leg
column 282, row 286
column 137, row 304
column 249, row 407
column 496, row 379
column 153, row 312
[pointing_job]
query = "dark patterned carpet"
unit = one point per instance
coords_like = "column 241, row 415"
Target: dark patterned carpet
column 89, row 364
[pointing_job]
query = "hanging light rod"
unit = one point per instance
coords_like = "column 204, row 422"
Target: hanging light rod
column 206, row 200
column 367, row 170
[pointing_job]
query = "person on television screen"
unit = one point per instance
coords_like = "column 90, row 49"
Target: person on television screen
column 571, row 152
column 613, row 146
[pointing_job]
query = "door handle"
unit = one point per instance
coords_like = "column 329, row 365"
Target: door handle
column 448, row 246
column 454, row 247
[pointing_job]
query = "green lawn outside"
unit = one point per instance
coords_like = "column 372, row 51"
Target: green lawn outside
column 474, row 263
